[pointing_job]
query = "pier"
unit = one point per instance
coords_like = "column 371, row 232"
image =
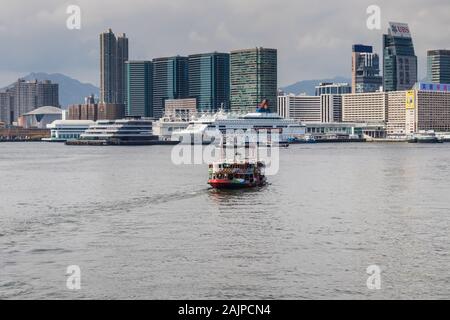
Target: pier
column 119, row 143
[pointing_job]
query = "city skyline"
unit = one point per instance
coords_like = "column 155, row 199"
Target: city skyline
column 310, row 35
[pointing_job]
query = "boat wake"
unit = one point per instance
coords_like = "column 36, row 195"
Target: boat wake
column 77, row 214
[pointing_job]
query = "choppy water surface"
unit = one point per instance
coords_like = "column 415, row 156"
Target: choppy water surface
column 140, row 227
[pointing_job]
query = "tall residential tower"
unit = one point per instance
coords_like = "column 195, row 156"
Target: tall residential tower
column 6, row 106
column 253, row 78
column 113, row 55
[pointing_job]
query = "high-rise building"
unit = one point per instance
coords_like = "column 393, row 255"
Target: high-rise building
column 333, row 88
column 400, row 60
column 113, row 55
column 365, row 107
column 331, row 108
column 365, row 69
column 170, row 81
column 6, row 107
column 139, row 79
column 47, row 93
column 438, row 66
column 209, row 80
column 25, row 96
column 181, row 109
column 301, row 108
column 431, row 110
column 108, row 53
column 122, row 57
column 96, row 111
column 253, row 78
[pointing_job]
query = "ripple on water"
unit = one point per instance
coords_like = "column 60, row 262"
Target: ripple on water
column 134, row 221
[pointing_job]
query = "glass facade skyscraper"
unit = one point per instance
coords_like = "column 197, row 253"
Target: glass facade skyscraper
column 438, row 66
column 365, row 69
column 253, row 78
column 139, row 79
column 209, row 80
column 170, row 81
column 400, row 61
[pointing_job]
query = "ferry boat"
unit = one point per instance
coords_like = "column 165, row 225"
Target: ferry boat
column 425, row 137
column 307, row 139
column 237, row 174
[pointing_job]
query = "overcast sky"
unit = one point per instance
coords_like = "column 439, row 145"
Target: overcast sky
column 313, row 38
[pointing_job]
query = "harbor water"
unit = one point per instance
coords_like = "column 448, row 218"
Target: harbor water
column 138, row 226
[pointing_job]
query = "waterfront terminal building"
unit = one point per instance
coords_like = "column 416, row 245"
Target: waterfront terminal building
column 345, row 130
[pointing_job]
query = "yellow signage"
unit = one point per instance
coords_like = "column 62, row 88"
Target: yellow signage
column 411, row 99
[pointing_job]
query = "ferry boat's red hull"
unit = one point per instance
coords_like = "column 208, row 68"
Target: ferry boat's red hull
column 229, row 184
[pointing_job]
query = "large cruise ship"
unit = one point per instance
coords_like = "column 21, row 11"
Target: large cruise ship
column 205, row 128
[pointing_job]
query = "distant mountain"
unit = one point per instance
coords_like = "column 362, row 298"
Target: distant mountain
column 309, row 86
column 71, row 91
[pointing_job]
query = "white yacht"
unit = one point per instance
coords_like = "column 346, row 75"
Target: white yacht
column 124, row 131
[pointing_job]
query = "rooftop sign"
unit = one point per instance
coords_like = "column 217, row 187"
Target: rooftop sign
column 399, row 30
column 432, row 86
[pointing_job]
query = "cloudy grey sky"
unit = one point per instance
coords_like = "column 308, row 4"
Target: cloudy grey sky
column 313, row 38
